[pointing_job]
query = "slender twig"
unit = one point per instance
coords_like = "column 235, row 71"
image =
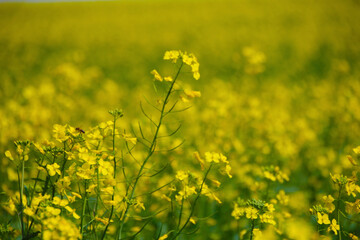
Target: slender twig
column 338, row 211
column 114, row 175
column 151, row 149
column 252, row 229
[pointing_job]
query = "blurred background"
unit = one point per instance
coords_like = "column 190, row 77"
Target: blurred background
column 279, row 79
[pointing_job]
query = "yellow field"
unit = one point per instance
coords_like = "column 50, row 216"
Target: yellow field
column 263, row 146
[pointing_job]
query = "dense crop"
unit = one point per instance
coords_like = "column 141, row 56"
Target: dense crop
column 254, row 135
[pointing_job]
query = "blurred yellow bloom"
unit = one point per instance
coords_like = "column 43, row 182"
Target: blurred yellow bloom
column 163, row 237
column 227, row 170
column 251, row 213
column 130, row 139
column 172, row 55
column 238, row 211
column 352, row 188
column 85, row 172
column 328, row 203
column 212, row 157
column 282, row 197
column 351, row 160
column 353, row 237
column 181, row 175
column 191, row 93
column 8, row 155
column 196, row 75
column 357, row 150
column 107, row 190
column 157, row 76
column 60, row 133
column 60, row 202
column 168, row 79
column 73, row 212
column 198, row 158
column 52, row 210
column 28, row 211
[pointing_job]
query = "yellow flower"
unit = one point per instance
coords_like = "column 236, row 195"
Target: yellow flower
column 8, row 155
column 334, row 226
column 238, row 211
column 270, row 207
column 198, row 158
column 163, row 237
column 107, row 190
column 351, row 160
column 91, row 188
column 28, row 211
column 60, row 202
column 227, row 170
column 357, row 150
column 130, row 139
column 353, row 237
column 328, row 202
column 185, row 193
column 84, row 172
column 181, row 175
column 323, row 219
column 105, row 167
column 351, row 187
column 53, row 169
column 168, row 79
column 196, row 75
column 157, row 76
column 73, row 212
column 172, row 55
column 212, row 157
column 166, row 198
column 267, row 218
column 191, row 93
column 60, row 133
column 52, row 211
column 283, row 199
column 257, row 234
column 353, row 207
column 189, row 59
column 251, row 213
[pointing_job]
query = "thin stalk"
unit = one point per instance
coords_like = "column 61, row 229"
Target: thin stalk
column 338, row 210
column 180, row 215
column 113, row 195
column 21, row 184
column 252, row 229
column 151, row 149
column 83, row 212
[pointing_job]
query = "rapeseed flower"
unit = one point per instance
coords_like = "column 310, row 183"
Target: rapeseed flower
column 334, row 226
column 323, row 218
column 157, row 76
column 53, row 169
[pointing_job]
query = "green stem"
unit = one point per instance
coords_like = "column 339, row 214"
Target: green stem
column 252, row 229
column 338, row 210
column 113, row 195
column 180, row 215
column 21, row 184
column 83, row 212
column 151, row 149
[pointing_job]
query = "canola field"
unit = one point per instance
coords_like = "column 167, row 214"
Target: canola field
column 180, row 120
